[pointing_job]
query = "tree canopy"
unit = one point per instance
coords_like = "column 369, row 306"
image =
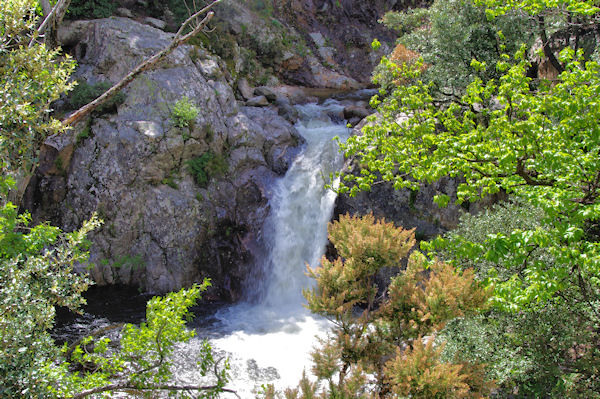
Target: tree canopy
column 524, row 123
column 535, row 139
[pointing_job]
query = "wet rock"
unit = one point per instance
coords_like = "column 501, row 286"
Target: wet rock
column 258, row 373
column 286, row 110
column 294, row 94
column 267, row 92
column 356, row 111
column 258, row 101
column 354, row 121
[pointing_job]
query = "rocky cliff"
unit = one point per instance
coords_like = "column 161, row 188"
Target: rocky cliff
column 183, row 201
column 162, row 230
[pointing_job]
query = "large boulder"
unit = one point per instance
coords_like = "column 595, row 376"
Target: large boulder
column 179, row 203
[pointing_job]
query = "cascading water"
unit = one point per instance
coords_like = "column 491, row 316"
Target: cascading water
column 269, row 341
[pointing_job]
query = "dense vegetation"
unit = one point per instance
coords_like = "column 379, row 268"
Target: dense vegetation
column 389, row 339
column 504, row 99
column 502, row 96
column 37, row 262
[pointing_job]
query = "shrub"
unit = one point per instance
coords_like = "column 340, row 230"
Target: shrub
column 91, row 8
column 184, row 112
column 383, row 335
column 206, row 166
column 537, row 352
column 453, row 32
column 85, row 93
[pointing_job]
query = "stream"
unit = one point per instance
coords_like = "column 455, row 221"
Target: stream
column 268, row 338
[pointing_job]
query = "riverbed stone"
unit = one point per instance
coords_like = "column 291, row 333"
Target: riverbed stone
column 257, row 101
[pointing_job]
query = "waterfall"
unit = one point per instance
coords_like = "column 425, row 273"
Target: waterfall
column 296, row 231
column 269, row 341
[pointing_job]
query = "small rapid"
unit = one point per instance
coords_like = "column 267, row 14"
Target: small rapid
column 268, row 340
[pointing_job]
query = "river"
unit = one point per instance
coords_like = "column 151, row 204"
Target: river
column 268, row 338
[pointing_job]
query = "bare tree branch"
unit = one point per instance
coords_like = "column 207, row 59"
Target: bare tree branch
column 546, row 45
column 46, row 7
column 53, row 18
column 96, row 333
column 146, row 65
column 134, row 388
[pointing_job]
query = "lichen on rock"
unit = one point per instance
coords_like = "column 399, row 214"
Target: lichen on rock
column 161, row 229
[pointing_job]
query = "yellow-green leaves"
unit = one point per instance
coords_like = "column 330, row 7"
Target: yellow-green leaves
column 375, row 333
column 538, row 141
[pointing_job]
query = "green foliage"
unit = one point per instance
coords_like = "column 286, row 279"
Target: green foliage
column 37, row 262
column 548, row 353
column 90, row 9
column 471, row 237
column 527, row 351
column 85, row 134
column 382, row 336
column 31, row 79
column 36, row 274
column 143, row 361
column 206, row 166
column 408, row 21
column 184, row 112
column 170, row 180
column 262, row 7
column 533, row 139
column 130, row 261
column 451, row 33
column 580, row 8
column 84, row 93
column 540, row 145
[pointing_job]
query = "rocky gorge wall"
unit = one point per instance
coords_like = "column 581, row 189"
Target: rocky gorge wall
column 164, row 228
column 161, row 229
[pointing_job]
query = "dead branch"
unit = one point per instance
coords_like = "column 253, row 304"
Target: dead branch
column 135, row 388
column 53, row 18
column 146, row 65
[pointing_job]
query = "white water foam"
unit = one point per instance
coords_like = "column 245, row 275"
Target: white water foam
column 270, row 341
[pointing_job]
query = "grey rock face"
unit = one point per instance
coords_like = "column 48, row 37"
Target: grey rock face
column 258, row 101
column 162, row 230
column 245, row 89
column 155, row 23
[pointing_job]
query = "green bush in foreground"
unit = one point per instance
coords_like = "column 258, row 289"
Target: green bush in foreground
column 547, row 351
column 36, row 275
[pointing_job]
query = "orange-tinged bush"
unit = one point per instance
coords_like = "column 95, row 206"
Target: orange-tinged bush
column 378, row 339
column 417, row 373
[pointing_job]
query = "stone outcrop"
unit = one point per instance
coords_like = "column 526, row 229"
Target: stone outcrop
column 339, row 34
column 164, row 226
